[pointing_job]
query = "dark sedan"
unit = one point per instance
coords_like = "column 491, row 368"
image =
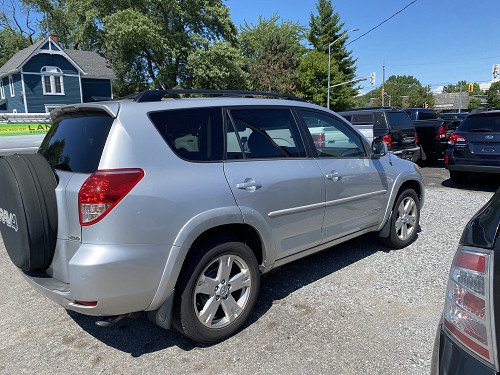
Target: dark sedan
column 468, row 335
column 475, row 146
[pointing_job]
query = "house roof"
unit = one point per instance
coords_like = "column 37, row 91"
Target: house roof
column 15, row 61
column 92, row 64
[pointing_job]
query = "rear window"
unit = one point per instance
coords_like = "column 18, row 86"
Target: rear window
column 485, row 123
column 363, row 118
column 399, row 120
column 193, row 134
column 75, row 141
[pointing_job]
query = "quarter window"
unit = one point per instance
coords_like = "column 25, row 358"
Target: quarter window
column 52, row 80
column 332, row 137
column 264, row 134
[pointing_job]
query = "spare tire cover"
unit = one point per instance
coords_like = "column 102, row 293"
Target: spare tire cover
column 28, row 210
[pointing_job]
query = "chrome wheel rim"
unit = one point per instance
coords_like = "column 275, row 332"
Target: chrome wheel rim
column 406, row 221
column 222, row 291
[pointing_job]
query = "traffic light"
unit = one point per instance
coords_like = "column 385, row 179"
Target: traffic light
column 372, row 78
column 471, row 87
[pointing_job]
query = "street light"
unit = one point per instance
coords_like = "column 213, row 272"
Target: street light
column 344, row 34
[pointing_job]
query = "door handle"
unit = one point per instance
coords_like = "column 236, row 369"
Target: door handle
column 334, row 176
column 249, row 185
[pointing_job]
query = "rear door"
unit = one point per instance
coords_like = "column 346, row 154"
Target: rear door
column 356, row 185
column 273, row 181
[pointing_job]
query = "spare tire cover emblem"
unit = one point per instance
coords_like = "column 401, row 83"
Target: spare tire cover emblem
column 8, row 219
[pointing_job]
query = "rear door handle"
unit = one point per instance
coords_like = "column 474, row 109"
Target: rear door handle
column 334, row 176
column 249, row 185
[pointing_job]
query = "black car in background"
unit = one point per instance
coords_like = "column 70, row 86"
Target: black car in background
column 474, row 147
column 468, row 334
column 391, row 125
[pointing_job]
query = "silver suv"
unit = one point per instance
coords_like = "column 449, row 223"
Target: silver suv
column 176, row 206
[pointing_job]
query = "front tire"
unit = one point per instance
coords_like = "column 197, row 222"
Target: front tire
column 404, row 220
column 217, row 293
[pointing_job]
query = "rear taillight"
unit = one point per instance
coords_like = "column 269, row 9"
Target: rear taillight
column 446, row 159
column 468, row 309
column 441, row 133
column 416, row 138
column 319, row 139
column 103, row 190
column 387, row 139
column 454, row 137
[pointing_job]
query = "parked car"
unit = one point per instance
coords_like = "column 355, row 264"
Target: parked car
column 176, row 207
column 475, row 146
column 432, row 132
column 389, row 124
column 467, row 337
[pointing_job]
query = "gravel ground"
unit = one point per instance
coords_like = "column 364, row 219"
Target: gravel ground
column 354, row 309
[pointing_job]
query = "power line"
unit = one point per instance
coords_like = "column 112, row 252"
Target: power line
column 381, row 23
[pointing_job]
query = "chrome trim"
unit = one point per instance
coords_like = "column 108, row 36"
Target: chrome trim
column 293, row 210
column 355, row 197
column 406, row 149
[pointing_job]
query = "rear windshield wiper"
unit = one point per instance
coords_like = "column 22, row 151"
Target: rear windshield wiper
column 481, row 130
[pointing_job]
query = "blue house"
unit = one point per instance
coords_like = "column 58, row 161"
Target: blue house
column 44, row 76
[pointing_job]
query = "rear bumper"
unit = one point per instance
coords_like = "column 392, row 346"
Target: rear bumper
column 473, row 168
column 121, row 278
column 412, row 154
column 450, row 359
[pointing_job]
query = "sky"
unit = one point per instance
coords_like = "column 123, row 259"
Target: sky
column 437, row 41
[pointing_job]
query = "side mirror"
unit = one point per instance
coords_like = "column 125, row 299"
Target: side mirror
column 379, row 149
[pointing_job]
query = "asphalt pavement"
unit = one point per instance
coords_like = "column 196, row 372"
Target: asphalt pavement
column 357, row 308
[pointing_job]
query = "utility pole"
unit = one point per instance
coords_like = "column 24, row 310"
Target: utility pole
column 383, row 84
column 460, row 99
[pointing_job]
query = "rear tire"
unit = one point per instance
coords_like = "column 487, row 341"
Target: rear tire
column 458, row 177
column 404, row 220
column 217, row 292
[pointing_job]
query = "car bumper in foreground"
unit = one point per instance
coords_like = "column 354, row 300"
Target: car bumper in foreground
column 448, row 358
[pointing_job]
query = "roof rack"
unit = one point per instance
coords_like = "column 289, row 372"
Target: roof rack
column 157, row 95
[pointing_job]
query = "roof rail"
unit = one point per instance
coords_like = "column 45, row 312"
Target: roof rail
column 157, row 95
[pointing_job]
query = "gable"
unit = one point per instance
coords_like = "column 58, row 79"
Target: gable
column 38, row 61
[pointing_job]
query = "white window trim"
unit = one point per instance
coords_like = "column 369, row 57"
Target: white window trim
column 52, row 72
column 2, row 90
column 11, row 87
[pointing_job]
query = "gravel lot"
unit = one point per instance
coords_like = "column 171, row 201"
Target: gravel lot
column 356, row 308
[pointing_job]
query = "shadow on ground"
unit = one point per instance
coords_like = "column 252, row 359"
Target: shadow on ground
column 476, row 182
column 140, row 336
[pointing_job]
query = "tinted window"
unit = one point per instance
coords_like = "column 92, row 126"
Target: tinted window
column 362, row 118
column 481, row 123
column 193, row 134
column 427, row 115
column 399, row 120
column 265, row 133
column 75, row 142
column 332, row 137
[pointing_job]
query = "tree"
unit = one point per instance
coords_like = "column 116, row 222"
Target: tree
column 474, row 103
column 272, row 52
column 493, row 96
column 325, row 28
column 462, row 86
column 147, row 41
column 313, row 81
column 218, row 67
column 398, row 86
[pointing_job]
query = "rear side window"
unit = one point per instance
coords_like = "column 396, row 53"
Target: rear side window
column 193, row 134
column 399, row 120
column 480, row 124
column 75, row 141
column 362, row 118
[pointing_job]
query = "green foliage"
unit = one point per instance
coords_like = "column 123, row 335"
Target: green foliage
column 399, row 86
column 493, row 96
column 272, row 53
column 10, row 43
column 462, row 86
column 474, row 103
column 219, row 67
column 325, row 28
column 313, row 81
